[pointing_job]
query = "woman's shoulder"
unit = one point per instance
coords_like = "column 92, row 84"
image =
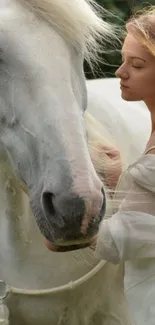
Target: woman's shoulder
column 143, row 171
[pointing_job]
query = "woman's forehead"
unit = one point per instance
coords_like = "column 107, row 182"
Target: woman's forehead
column 133, row 47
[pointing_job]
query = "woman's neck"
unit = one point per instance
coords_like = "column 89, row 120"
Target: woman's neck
column 151, row 107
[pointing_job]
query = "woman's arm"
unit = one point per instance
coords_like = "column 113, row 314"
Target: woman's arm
column 130, row 233
column 150, row 144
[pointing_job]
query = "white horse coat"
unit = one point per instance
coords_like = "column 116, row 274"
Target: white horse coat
column 39, row 97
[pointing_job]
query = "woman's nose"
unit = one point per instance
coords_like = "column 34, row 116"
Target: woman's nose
column 121, row 73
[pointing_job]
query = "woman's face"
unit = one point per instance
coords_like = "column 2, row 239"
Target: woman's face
column 137, row 72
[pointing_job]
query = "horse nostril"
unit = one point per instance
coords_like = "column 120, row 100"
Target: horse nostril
column 70, row 207
column 47, row 202
column 66, row 212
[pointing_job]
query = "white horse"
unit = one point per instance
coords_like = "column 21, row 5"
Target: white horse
column 45, row 162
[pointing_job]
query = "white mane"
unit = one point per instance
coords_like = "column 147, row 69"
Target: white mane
column 98, row 137
column 79, row 21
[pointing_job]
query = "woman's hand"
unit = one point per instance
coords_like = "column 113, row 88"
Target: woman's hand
column 107, row 163
column 113, row 166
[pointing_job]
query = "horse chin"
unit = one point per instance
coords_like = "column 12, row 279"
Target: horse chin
column 65, row 248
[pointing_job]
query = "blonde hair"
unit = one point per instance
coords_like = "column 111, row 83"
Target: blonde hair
column 142, row 26
column 78, row 21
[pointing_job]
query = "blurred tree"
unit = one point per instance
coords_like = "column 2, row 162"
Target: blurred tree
column 120, row 11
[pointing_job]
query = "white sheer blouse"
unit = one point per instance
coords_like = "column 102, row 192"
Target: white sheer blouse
column 129, row 237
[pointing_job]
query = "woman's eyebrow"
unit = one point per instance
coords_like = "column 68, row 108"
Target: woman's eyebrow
column 135, row 57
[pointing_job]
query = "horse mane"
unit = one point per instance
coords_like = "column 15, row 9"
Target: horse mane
column 98, row 137
column 78, row 21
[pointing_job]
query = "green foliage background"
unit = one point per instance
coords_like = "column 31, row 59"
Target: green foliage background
column 121, row 9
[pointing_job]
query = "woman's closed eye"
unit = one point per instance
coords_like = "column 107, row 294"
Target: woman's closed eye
column 137, row 66
column 137, row 63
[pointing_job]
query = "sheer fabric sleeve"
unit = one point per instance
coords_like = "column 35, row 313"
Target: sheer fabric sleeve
column 130, row 233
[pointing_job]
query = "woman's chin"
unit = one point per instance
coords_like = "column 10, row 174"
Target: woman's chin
column 129, row 97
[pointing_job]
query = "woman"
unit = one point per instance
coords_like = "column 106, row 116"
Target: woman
column 129, row 235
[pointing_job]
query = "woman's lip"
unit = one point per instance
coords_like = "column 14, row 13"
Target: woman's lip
column 123, row 86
